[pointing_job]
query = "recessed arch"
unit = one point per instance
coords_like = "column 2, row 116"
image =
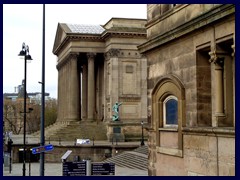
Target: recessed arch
column 168, row 87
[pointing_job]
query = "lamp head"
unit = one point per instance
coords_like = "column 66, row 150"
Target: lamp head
column 22, row 53
column 28, row 57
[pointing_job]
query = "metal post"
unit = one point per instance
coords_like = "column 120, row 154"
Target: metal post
column 29, row 162
column 10, row 152
column 24, row 119
column 42, row 142
column 59, row 141
column 142, row 141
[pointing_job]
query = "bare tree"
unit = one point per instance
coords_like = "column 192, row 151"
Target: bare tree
column 11, row 115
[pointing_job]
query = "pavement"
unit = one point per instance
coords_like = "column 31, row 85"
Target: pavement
column 55, row 169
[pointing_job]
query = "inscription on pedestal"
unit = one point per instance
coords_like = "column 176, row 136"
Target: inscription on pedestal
column 116, row 130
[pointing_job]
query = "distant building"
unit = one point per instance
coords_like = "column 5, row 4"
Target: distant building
column 34, row 97
column 13, row 105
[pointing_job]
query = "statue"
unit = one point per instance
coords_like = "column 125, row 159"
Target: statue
column 115, row 110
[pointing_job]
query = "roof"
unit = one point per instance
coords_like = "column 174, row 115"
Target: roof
column 86, row 29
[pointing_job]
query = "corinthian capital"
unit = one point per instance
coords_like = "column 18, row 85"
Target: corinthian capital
column 113, row 53
column 233, row 48
column 91, row 55
column 217, row 57
column 73, row 56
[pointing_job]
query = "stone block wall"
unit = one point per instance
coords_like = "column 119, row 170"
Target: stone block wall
column 208, row 155
column 180, row 37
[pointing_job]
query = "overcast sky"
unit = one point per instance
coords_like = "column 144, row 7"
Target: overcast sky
column 23, row 23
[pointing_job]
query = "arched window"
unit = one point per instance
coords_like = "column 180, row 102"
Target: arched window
column 170, row 112
column 168, row 115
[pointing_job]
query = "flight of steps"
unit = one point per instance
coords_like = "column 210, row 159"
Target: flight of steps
column 76, row 130
column 136, row 159
column 50, row 130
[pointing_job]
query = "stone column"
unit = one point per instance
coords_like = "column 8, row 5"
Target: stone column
column 80, row 92
column 218, row 59
column 59, row 92
column 64, row 90
column 84, row 92
column 91, row 86
column 74, row 89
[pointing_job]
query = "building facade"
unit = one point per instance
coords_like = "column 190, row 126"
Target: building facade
column 190, row 52
column 99, row 66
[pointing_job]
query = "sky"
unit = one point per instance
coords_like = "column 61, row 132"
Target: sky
column 24, row 23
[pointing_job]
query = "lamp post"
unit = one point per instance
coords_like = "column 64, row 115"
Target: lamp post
column 25, row 53
column 142, row 141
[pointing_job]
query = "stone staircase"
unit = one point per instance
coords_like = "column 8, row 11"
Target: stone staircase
column 136, row 159
column 72, row 130
column 50, row 130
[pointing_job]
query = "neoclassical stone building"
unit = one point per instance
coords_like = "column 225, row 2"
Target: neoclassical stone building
column 99, row 66
column 190, row 52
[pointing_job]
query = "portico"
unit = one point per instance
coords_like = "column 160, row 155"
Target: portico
column 79, row 86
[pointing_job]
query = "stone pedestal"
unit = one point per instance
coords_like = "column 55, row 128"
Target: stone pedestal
column 115, row 131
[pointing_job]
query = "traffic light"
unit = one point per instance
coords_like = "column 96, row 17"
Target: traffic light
column 9, row 146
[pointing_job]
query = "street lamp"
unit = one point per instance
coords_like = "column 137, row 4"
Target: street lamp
column 142, row 141
column 25, row 53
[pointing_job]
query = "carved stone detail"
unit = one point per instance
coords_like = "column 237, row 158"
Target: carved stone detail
column 91, row 55
column 233, row 47
column 217, row 58
column 112, row 53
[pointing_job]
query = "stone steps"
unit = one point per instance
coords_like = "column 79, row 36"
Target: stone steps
column 137, row 159
column 81, row 130
column 50, row 130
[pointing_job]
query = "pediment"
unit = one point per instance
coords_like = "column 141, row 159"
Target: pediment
column 61, row 34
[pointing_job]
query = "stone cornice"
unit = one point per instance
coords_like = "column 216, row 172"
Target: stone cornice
column 210, row 131
column 188, row 27
column 109, row 34
column 76, row 37
column 95, row 38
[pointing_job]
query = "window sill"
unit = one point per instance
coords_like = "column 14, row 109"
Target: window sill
column 170, row 129
column 170, row 151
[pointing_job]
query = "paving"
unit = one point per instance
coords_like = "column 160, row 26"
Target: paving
column 55, row 169
column 127, row 163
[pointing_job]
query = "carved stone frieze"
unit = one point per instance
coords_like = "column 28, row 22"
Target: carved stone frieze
column 129, row 99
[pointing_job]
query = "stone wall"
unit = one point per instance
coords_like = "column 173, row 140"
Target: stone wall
column 211, row 156
column 180, row 39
